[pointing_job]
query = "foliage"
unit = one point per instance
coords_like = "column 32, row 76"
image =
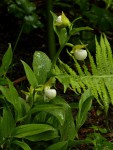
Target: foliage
column 34, row 119
column 96, row 14
column 26, row 11
column 24, row 121
column 109, row 3
column 98, row 77
column 6, row 62
column 38, row 122
column 95, row 139
column 85, row 104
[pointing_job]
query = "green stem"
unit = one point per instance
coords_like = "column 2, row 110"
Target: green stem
column 18, row 38
column 51, row 36
column 56, row 57
column 69, row 44
column 58, row 53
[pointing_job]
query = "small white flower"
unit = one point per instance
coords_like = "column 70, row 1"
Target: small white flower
column 80, row 54
column 59, row 19
column 49, row 93
column 62, row 21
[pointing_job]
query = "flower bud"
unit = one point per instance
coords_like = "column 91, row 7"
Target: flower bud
column 80, row 54
column 49, row 93
column 62, row 21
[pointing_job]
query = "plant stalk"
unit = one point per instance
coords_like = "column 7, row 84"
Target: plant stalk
column 58, row 53
column 50, row 34
column 18, row 38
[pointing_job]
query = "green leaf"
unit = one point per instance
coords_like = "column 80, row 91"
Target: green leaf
column 31, row 129
column 23, row 145
column 7, row 123
column 84, row 106
column 6, row 61
column 12, row 97
column 45, row 136
column 54, row 110
column 67, row 131
column 58, row 146
column 41, row 66
column 30, row 75
column 75, row 30
column 62, row 35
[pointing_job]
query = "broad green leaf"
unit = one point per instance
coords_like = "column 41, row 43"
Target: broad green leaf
column 13, row 91
column 75, row 30
column 6, row 61
column 54, row 110
column 7, row 123
column 31, row 129
column 86, row 95
column 68, row 129
column 21, row 144
column 30, row 75
column 84, row 106
column 41, row 66
column 58, row 146
column 45, row 136
column 12, row 97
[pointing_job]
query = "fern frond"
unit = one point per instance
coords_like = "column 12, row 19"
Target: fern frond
column 109, row 54
column 99, row 58
column 105, row 99
column 67, row 68
column 109, row 86
column 79, row 69
column 75, row 85
column 104, row 55
column 92, row 64
column 86, row 71
column 99, row 77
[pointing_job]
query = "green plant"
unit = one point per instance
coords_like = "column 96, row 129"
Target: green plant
column 109, row 3
column 98, row 77
column 95, row 141
column 42, row 120
column 64, row 30
column 85, row 104
column 34, row 119
column 25, row 12
column 97, row 14
column 6, row 62
column 37, row 118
